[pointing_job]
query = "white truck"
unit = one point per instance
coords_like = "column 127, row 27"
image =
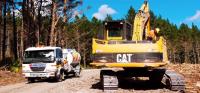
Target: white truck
column 49, row 62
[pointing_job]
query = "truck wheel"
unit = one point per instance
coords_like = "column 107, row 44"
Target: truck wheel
column 77, row 71
column 31, row 80
column 60, row 77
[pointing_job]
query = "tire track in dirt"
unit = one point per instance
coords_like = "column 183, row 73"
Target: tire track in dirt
column 87, row 83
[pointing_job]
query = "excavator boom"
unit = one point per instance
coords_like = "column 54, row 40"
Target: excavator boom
column 141, row 26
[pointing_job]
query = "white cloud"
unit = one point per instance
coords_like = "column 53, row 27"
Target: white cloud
column 103, row 11
column 195, row 17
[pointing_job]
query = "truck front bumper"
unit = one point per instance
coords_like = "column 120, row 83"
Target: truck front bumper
column 39, row 74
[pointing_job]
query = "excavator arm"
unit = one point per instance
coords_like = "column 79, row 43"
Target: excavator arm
column 141, row 26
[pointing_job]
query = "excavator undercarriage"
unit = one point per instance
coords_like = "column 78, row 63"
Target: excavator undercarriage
column 170, row 79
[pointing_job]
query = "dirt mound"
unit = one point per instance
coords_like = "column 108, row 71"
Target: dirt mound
column 7, row 77
column 191, row 72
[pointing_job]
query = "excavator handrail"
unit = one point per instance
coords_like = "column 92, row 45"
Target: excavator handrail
column 100, row 41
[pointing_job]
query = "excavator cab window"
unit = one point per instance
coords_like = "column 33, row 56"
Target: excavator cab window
column 113, row 30
column 128, row 31
column 117, row 30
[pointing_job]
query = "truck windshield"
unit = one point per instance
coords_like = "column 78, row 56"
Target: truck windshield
column 39, row 56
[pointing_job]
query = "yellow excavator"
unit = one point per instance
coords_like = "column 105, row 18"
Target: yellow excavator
column 140, row 51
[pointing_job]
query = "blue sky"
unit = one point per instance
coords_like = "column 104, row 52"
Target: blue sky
column 177, row 11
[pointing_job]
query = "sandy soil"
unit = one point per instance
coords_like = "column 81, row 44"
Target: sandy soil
column 89, row 83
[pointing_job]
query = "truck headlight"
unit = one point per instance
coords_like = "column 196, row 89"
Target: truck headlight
column 25, row 71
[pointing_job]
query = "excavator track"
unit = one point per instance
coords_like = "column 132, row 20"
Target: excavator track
column 174, row 81
column 109, row 80
column 171, row 79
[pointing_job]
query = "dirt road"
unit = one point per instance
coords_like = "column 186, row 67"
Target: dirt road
column 87, row 83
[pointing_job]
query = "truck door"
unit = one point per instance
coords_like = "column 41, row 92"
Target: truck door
column 58, row 56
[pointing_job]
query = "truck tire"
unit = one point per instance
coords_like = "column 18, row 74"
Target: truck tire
column 31, row 80
column 60, row 77
column 77, row 71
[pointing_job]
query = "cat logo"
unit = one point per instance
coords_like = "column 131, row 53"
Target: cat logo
column 124, row 58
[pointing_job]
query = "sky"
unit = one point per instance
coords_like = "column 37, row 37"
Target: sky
column 177, row 11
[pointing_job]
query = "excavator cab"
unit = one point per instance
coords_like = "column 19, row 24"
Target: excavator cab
column 117, row 30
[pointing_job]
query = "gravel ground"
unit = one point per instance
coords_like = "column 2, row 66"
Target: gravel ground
column 87, row 83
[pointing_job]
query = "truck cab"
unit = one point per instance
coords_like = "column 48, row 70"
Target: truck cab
column 42, row 62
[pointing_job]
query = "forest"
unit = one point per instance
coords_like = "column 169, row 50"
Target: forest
column 26, row 23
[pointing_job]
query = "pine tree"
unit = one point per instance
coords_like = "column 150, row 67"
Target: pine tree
column 130, row 15
column 108, row 18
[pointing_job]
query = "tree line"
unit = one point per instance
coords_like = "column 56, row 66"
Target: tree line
column 59, row 23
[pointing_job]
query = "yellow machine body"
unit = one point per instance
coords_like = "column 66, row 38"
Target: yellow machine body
column 136, row 48
column 123, row 47
column 102, row 47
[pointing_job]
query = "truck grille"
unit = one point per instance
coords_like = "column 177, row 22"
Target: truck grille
column 37, row 68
